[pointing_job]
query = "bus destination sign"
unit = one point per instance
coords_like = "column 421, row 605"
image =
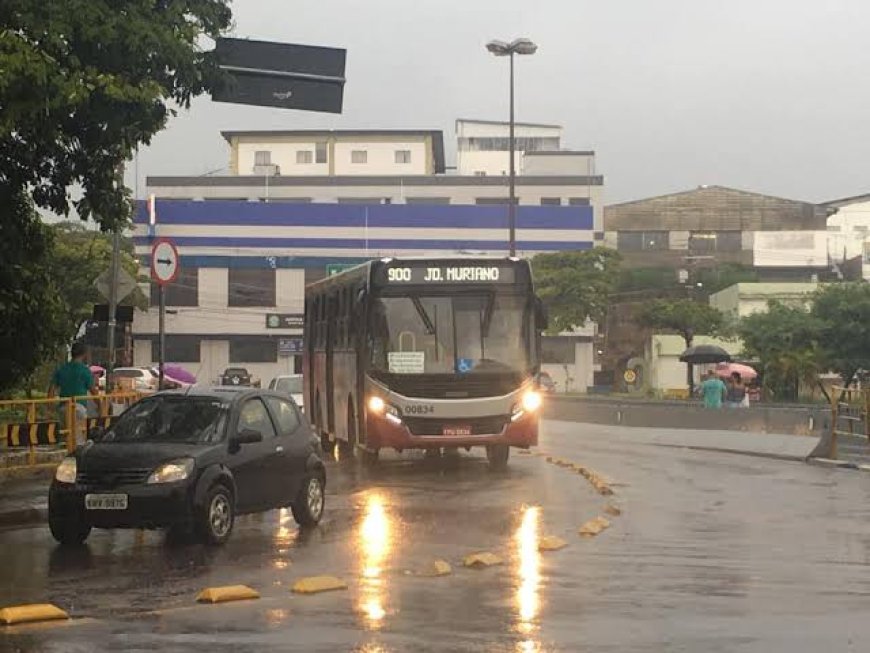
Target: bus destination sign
column 447, row 274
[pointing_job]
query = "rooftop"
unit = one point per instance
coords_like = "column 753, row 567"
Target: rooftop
column 506, row 123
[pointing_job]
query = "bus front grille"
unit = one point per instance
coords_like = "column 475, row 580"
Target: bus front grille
column 493, row 425
column 451, row 386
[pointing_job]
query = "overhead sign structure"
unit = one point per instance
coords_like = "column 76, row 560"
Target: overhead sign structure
column 284, row 75
column 164, row 262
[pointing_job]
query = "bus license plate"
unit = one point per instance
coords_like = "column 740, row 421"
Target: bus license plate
column 456, row 430
column 106, row 501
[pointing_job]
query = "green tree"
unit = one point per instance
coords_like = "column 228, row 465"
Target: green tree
column 842, row 312
column 77, row 258
column 684, row 317
column 30, row 328
column 575, row 286
column 82, row 84
column 785, row 342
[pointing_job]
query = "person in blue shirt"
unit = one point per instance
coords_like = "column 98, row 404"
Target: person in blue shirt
column 713, row 390
column 74, row 379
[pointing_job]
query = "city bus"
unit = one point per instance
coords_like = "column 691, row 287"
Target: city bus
column 433, row 354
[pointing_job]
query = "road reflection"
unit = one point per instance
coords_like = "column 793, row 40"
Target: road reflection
column 375, row 545
column 285, row 537
column 529, row 577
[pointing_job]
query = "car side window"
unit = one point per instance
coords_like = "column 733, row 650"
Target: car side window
column 285, row 413
column 254, row 415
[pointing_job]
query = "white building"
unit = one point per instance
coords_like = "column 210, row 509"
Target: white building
column 849, row 230
column 298, row 203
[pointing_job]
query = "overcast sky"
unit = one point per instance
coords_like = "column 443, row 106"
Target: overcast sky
column 770, row 96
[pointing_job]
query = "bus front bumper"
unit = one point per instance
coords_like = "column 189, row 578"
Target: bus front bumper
column 382, row 433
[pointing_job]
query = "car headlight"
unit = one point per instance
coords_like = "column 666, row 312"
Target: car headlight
column 175, row 470
column 531, row 401
column 66, row 471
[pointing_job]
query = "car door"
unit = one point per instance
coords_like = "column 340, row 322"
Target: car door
column 254, row 464
column 295, row 445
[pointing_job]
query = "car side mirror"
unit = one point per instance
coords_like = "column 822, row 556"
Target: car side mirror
column 542, row 319
column 245, row 436
column 96, row 434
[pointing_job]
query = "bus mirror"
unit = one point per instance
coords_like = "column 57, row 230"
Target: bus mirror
column 361, row 297
column 542, row 321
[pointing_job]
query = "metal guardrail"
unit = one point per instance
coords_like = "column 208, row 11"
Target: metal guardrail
column 54, row 421
column 850, row 415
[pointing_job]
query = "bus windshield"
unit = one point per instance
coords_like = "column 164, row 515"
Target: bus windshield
column 420, row 334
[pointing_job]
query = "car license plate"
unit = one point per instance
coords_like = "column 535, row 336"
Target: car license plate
column 106, row 501
column 456, row 430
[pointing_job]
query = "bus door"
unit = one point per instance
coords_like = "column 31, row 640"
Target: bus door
column 331, row 314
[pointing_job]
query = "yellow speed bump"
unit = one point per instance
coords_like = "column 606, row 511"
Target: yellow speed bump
column 317, row 584
column 551, row 543
column 21, row 614
column 482, row 560
column 594, row 527
column 227, row 593
column 613, row 510
column 436, row 568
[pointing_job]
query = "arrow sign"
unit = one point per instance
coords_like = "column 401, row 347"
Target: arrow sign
column 164, row 261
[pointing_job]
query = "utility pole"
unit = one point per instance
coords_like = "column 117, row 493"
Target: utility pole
column 113, row 301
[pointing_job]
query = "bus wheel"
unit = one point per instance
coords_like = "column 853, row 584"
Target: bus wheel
column 497, row 455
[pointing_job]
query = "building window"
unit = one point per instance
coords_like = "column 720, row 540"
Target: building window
column 359, row 156
column 360, row 200
column 495, row 200
column 180, row 349
column 427, row 200
column 578, row 201
column 251, row 287
column 184, row 291
column 637, row 241
column 304, row 157
column 262, row 158
column 707, row 242
column 551, row 201
column 480, row 173
column 403, row 156
column 502, row 143
column 253, row 349
column 320, row 152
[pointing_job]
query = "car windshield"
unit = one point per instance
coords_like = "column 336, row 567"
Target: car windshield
column 290, row 385
column 170, row 418
column 439, row 335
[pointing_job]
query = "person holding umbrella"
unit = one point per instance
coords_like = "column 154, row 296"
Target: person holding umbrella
column 736, row 394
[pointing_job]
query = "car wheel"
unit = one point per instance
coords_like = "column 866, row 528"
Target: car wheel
column 308, row 507
column 67, row 530
column 497, row 455
column 217, row 516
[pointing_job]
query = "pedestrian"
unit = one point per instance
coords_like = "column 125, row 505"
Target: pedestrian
column 74, row 379
column 736, row 395
column 713, row 390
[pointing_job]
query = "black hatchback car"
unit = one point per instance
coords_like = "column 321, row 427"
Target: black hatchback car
column 190, row 461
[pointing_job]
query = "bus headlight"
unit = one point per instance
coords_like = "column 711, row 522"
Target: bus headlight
column 532, row 401
column 377, row 405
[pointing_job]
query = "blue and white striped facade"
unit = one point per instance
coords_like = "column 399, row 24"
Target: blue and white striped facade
column 215, row 236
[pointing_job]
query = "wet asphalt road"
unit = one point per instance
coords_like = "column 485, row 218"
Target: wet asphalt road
column 713, row 552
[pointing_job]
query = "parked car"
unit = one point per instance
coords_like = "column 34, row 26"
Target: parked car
column 238, row 376
column 140, row 379
column 289, row 384
column 546, row 382
column 191, row 461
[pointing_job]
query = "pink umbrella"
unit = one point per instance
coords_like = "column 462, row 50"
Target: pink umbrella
column 746, row 373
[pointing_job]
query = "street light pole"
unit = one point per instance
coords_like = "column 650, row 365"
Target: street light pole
column 503, row 49
column 512, row 173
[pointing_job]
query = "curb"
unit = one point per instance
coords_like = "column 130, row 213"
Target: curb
column 42, row 470
column 828, row 462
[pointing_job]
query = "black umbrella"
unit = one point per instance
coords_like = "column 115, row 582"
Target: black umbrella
column 705, row 354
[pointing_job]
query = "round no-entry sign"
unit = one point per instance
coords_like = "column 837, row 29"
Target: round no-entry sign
column 164, row 262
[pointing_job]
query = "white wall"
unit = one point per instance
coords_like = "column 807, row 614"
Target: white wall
column 494, row 164
column 848, row 230
column 283, row 154
column 790, row 248
column 563, row 163
column 380, row 158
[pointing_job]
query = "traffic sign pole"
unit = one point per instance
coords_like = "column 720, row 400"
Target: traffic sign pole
column 161, row 330
column 164, row 270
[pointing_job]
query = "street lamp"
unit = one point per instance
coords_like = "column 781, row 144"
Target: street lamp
column 502, row 49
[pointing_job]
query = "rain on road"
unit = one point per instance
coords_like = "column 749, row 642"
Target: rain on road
column 712, row 552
